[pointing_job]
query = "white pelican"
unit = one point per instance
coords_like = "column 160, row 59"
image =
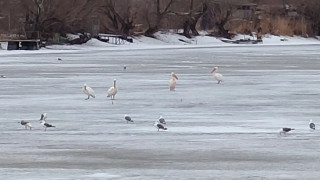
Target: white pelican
column 159, row 126
column 285, row 130
column 112, row 91
column 26, row 124
column 128, row 118
column 312, row 125
column 88, row 91
column 217, row 75
column 173, row 81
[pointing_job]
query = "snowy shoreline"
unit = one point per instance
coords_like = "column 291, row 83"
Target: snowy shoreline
column 171, row 41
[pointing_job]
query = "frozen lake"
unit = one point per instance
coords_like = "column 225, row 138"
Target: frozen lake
column 215, row 131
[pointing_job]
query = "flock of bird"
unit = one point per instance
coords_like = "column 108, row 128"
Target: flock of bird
column 285, row 130
column 112, row 91
column 42, row 120
column 161, row 123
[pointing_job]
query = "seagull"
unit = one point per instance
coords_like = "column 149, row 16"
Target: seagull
column 26, row 124
column 128, row 118
column 312, row 125
column 159, row 126
column 3, row 76
column 285, row 130
column 161, row 120
column 88, row 91
column 112, row 91
column 45, row 125
column 43, row 116
column 42, row 120
column 173, row 81
column 216, row 75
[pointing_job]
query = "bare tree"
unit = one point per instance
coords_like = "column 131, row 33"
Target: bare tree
column 310, row 11
column 194, row 14
column 122, row 17
column 221, row 14
column 191, row 16
column 76, row 12
column 122, row 21
column 154, row 18
column 33, row 14
column 43, row 18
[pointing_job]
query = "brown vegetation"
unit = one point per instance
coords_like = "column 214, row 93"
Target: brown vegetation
column 45, row 18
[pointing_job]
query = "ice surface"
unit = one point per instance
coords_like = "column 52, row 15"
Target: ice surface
column 215, row 131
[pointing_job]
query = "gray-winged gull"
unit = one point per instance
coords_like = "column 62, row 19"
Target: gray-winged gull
column 128, row 118
column 312, row 125
column 46, row 125
column 285, row 130
column 161, row 120
column 43, row 116
column 159, row 126
column 43, row 121
column 26, row 124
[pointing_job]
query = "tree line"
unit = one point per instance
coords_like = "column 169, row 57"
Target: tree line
column 45, row 18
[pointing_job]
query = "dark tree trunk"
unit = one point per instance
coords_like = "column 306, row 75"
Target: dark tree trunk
column 222, row 31
column 126, row 28
column 193, row 24
column 154, row 28
column 186, row 29
column 189, row 26
column 150, row 31
column 122, row 24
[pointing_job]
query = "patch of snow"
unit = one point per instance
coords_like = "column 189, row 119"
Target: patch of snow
column 102, row 175
column 71, row 37
column 165, row 40
column 3, row 45
column 288, row 40
column 96, row 43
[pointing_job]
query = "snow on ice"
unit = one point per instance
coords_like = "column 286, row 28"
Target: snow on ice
column 215, row 131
